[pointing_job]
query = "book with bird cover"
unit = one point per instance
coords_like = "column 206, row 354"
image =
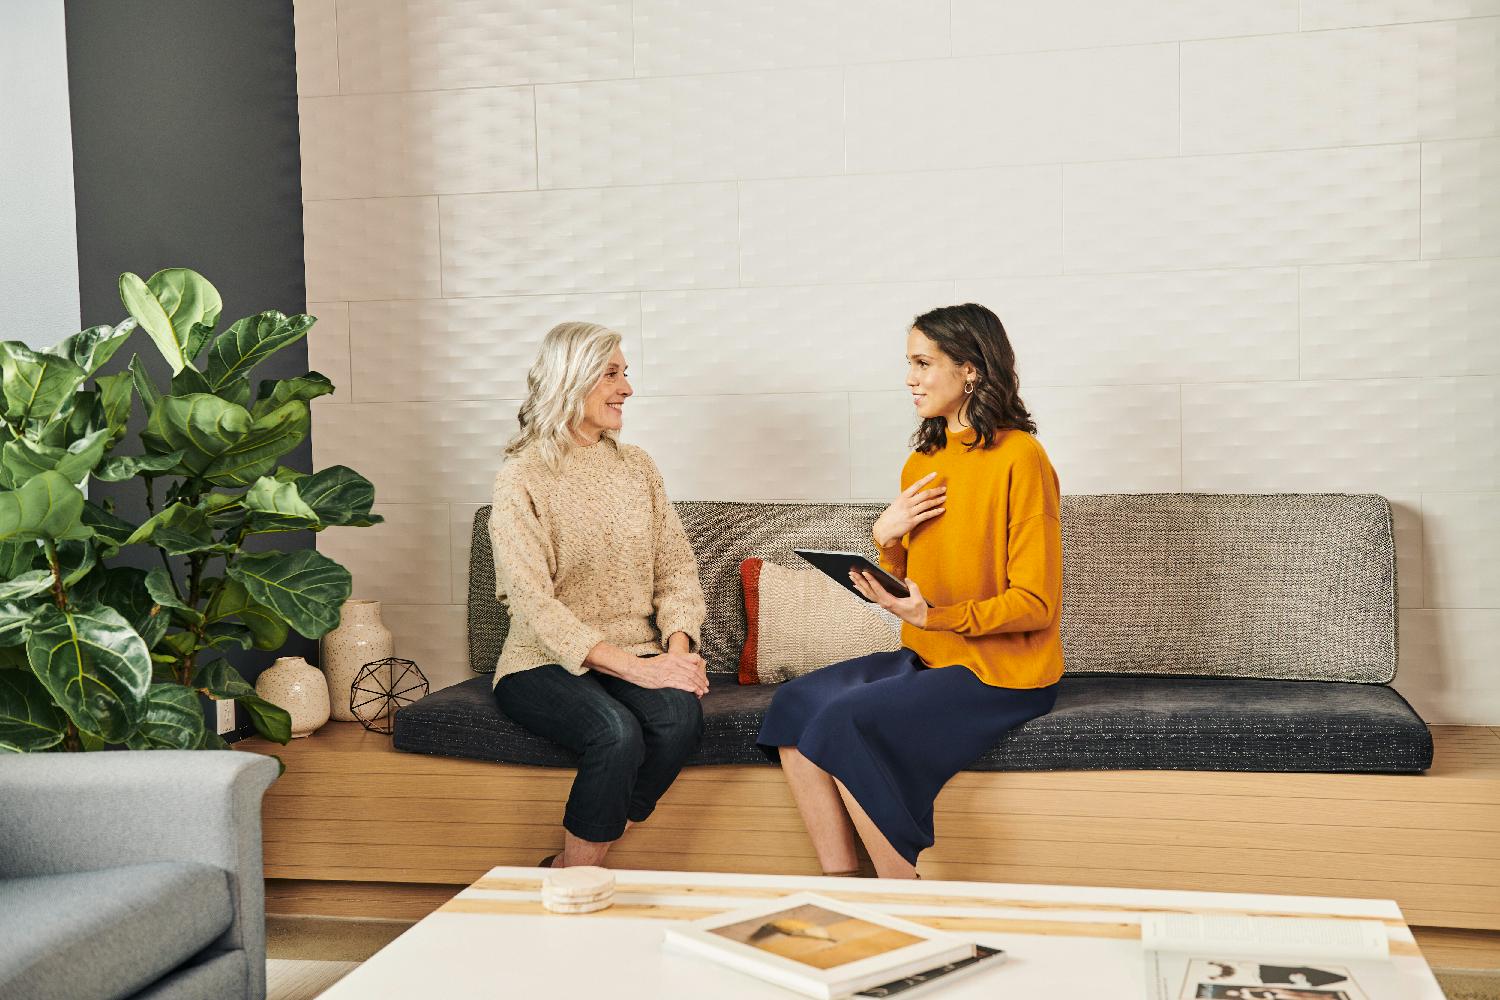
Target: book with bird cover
column 817, row 946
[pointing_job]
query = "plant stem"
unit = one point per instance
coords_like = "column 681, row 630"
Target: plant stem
column 71, row 740
column 58, row 593
column 196, row 562
column 150, row 482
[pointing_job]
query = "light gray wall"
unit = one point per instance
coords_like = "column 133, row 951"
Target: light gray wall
column 38, row 239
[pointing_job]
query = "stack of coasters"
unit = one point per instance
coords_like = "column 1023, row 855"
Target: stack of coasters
column 583, row 889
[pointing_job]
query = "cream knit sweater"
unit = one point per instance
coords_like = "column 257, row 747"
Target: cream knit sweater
column 591, row 553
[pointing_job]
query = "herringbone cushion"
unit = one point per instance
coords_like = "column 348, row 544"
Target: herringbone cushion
column 1287, row 586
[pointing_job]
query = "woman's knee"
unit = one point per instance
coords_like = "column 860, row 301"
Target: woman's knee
column 615, row 732
column 680, row 723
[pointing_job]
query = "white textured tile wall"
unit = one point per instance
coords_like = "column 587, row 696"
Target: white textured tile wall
column 451, row 142
column 596, row 239
column 900, row 227
column 1401, row 83
column 1047, row 107
column 675, row 37
column 1460, row 211
column 1239, row 245
column 691, row 128
column 1243, row 210
column 1318, row 14
column 1189, row 326
column 1022, row 25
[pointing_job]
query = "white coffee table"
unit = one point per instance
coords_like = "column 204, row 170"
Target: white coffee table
column 494, row 939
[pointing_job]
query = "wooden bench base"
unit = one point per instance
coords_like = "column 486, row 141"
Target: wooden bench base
column 351, row 810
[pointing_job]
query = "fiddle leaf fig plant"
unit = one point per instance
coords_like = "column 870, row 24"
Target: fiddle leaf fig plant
column 96, row 652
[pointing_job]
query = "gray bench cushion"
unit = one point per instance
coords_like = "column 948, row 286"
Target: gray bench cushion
column 1099, row 723
column 1287, row 586
column 104, row 934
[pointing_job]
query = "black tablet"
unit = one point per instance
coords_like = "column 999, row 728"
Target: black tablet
column 838, row 564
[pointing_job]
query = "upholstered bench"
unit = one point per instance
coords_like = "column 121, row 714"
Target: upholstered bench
column 1201, row 632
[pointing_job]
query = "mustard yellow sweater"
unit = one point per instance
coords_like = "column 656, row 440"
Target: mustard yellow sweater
column 991, row 565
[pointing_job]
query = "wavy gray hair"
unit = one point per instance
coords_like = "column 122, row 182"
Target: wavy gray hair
column 570, row 362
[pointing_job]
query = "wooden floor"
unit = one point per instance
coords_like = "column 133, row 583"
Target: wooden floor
column 351, row 810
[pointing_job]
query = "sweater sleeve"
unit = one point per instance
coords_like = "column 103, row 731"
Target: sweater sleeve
column 1032, row 593
column 677, row 596
column 524, row 561
column 893, row 557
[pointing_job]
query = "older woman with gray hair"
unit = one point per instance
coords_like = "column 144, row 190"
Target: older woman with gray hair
column 603, row 591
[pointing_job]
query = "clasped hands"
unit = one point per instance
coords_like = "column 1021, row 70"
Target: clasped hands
column 678, row 667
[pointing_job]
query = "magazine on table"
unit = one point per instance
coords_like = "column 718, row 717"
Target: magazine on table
column 1193, row 956
column 827, row 948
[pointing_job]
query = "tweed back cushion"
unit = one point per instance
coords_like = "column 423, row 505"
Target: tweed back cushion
column 1285, row 586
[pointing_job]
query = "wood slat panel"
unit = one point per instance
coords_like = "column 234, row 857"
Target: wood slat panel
column 1445, row 948
column 350, row 809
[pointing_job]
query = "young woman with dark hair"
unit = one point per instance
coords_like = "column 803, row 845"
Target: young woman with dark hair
column 867, row 744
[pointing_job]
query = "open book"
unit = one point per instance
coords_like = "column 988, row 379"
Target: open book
column 1228, row 957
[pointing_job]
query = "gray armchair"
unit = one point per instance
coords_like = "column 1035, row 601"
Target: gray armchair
column 132, row 874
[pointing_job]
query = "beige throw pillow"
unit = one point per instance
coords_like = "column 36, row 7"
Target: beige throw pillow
column 799, row 620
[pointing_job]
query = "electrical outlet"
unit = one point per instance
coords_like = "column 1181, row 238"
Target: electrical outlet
column 225, row 720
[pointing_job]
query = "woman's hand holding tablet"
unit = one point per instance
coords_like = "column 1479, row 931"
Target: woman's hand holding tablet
column 856, row 573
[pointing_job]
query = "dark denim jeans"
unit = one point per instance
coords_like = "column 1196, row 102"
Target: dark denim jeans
column 631, row 741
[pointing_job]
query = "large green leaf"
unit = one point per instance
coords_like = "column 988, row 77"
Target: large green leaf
column 124, row 589
column 118, row 468
column 188, row 381
column 275, row 506
column 172, row 720
column 26, row 585
column 248, row 341
column 46, row 506
column 115, row 395
column 144, row 387
column 163, row 590
column 21, row 459
column 17, row 557
column 255, row 453
column 110, row 532
column 179, row 529
column 203, row 427
column 270, row 721
column 76, row 559
column 168, row 305
column 232, row 601
column 305, row 588
column 274, row 392
column 28, row 719
column 95, row 666
column 221, row 681
column 14, row 617
column 36, row 385
column 90, row 349
column 339, row 495
column 199, row 335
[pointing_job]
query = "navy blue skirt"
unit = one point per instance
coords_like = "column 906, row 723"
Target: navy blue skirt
column 894, row 732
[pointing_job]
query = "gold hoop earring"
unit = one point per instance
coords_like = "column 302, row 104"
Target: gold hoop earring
column 968, row 388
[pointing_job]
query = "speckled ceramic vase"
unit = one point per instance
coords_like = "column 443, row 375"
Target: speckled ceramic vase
column 359, row 638
column 297, row 686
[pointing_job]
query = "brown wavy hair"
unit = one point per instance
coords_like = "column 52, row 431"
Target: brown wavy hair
column 971, row 334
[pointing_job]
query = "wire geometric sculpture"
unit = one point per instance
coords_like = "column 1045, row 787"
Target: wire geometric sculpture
column 383, row 686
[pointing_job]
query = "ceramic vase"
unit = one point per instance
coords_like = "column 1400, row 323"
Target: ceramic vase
column 359, row 638
column 297, row 686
